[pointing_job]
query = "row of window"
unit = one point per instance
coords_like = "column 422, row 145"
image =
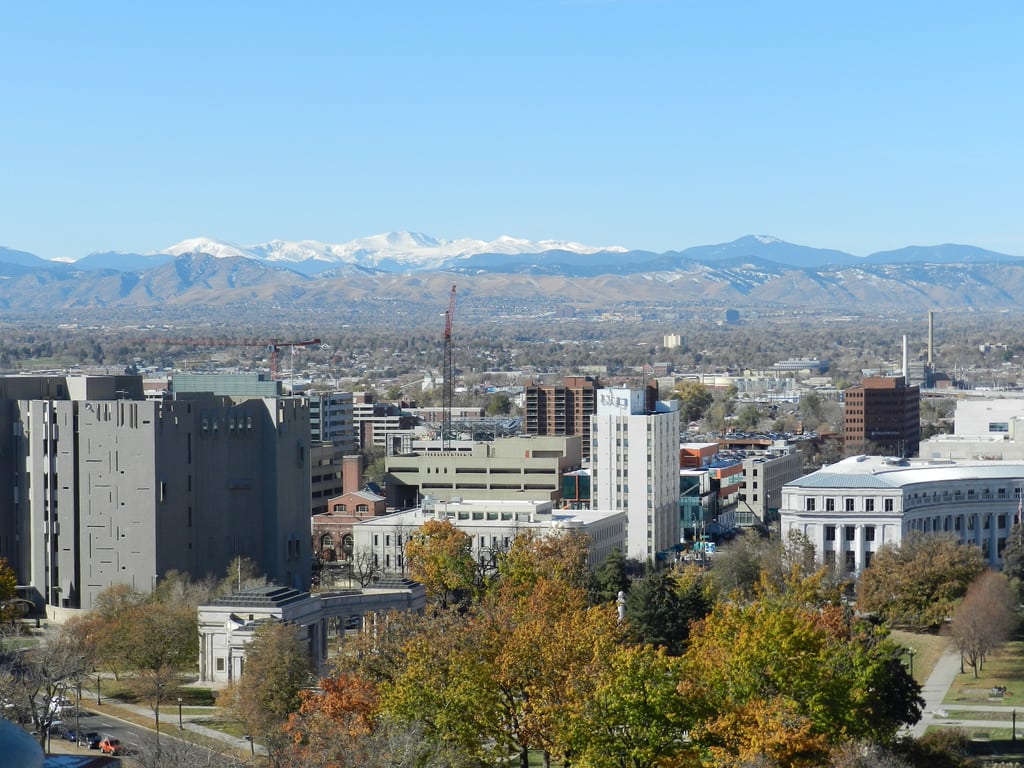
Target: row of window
column 811, row 504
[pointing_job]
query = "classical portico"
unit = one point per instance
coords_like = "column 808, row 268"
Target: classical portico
column 851, row 509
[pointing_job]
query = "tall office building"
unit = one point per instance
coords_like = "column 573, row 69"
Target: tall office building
column 562, row 409
column 635, row 468
column 109, row 488
column 882, row 416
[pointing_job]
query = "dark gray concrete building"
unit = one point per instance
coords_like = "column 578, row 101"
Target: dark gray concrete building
column 106, row 487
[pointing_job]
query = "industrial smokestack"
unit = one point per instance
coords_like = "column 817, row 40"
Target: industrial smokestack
column 906, row 370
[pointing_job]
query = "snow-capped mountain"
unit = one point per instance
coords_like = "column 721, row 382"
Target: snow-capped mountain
column 390, row 252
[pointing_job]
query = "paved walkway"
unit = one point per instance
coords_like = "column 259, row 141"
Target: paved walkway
column 953, row 715
column 118, row 709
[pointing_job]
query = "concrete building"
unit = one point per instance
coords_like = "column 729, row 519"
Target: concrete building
column 764, row 475
column 109, row 488
column 332, row 420
column 237, row 385
column 326, row 474
column 561, row 409
column 507, row 468
column 635, row 468
column 850, row 509
column 983, row 428
column 376, row 422
column 492, row 525
column 883, row 416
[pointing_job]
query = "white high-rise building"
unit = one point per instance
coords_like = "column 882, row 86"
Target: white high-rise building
column 635, row 468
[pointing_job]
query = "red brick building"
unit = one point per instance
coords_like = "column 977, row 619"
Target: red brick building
column 882, row 417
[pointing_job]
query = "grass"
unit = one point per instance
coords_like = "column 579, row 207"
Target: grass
column 1004, row 667
column 928, row 649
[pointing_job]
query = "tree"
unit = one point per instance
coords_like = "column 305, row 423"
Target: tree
column 242, row 573
column 802, row 675
column 658, row 615
column 695, row 399
column 983, row 619
column 439, row 557
column 749, row 417
column 558, row 556
column 36, row 680
column 812, row 410
column 610, row 578
column 499, row 404
column 394, row 392
column 629, row 714
column 160, row 642
column 918, row 583
column 1013, row 556
column 8, row 591
column 277, row 668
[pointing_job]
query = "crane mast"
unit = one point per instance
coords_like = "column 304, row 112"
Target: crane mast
column 449, row 375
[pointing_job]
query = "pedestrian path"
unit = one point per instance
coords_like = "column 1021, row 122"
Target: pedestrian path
column 935, row 689
column 119, row 710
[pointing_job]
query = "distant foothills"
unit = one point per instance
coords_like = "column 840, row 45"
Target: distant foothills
column 753, row 271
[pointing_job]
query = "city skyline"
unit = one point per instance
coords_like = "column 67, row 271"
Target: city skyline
column 645, row 124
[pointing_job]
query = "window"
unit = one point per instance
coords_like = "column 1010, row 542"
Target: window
column 888, row 505
column 869, row 505
column 850, row 532
column 999, row 426
column 830, row 505
column 851, row 561
column 869, row 533
column 849, row 505
column 327, row 541
column 362, row 508
column 830, row 533
column 339, row 508
column 809, row 505
column 220, row 663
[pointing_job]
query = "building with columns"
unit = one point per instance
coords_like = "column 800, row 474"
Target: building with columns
column 851, row 509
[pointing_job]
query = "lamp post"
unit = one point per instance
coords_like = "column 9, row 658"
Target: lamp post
column 98, row 702
column 911, row 652
column 181, row 726
column 78, row 712
column 252, row 744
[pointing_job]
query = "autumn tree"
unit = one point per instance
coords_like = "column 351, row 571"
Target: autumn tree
column 277, row 668
column 984, row 619
column 8, row 591
column 919, row 582
column 1013, row 557
column 160, row 641
column 439, row 557
column 799, row 674
column 625, row 711
column 695, row 399
column 557, row 556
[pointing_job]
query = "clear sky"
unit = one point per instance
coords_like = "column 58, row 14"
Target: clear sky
column 655, row 124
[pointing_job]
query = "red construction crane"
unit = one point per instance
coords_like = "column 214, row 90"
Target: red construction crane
column 449, row 375
column 275, row 345
column 272, row 346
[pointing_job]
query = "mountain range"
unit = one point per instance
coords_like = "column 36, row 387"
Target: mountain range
column 754, row 270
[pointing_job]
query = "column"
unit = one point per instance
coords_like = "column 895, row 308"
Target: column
column 993, row 537
column 858, row 548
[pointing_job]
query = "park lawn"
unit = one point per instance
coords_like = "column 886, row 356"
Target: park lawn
column 1004, row 667
column 928, row 649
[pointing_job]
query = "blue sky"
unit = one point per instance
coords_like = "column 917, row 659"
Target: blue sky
column 656, row 124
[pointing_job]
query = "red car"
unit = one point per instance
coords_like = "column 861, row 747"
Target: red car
column 109, row 746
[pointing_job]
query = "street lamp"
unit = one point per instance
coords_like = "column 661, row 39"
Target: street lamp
column 181, row 725
column 911, row 652
column 252, row 744
column 98, row 702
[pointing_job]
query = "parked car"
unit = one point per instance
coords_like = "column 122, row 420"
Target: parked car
column 71, row 736
column 109, row 746
column 91, row 740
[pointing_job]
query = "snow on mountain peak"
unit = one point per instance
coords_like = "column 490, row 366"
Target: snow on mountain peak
column 414, row 250
column 767, row 239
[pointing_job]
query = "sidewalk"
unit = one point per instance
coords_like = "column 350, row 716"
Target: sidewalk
column 934, row 691
column 144, row 717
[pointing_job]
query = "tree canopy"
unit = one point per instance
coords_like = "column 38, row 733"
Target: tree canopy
column 919, row 583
